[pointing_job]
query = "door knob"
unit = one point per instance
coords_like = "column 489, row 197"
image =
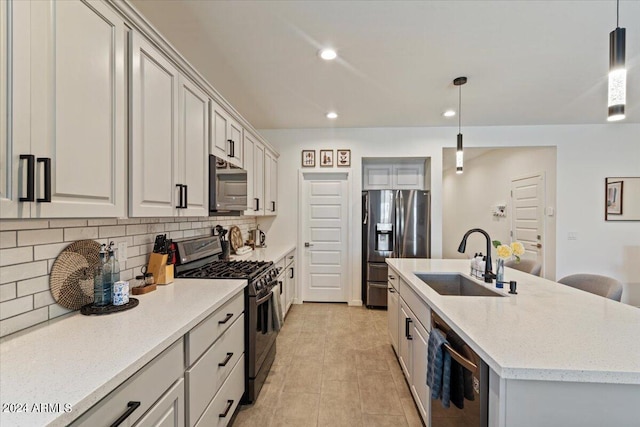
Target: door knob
column 539, row 245
column 307, row 244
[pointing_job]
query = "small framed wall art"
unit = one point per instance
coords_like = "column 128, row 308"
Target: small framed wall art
column 308, row 158
column 614, row 197
column 326, row 158
column 344, row 158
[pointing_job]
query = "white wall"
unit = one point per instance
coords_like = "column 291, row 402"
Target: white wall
column 470, row 198
column 586, row 154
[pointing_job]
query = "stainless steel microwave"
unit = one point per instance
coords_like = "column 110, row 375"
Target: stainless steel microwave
column 227, row 188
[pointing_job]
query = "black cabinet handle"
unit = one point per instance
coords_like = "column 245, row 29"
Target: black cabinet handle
column 31, row 170
column 186, row 196
column 226, row 360
column 406, row 328
column 132, row 406
column 47, row 180
column 392, row 291
column 273, row 205
column 226, row 319
column 232, row 148
column 280, row 283
column 182, row 203
column 227, row 409
column 291, row 277
column 257, row 204
column 179, row 205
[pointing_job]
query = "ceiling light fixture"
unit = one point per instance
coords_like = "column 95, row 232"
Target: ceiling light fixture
column 449, row 113
column 617, row 72
column 459, row 81
column 332, row 115
column 328, row 54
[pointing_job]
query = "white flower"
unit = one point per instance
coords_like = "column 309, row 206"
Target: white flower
column 504, row 251
column 517, row 248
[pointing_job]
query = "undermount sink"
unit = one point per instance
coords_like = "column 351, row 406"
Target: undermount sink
column 456, row 284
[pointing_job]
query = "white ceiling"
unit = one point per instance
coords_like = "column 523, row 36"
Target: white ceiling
column 528, row 62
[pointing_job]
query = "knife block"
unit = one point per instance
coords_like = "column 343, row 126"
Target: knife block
column 162, row 273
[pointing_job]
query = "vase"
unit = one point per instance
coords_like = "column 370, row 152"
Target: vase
column 499, row 272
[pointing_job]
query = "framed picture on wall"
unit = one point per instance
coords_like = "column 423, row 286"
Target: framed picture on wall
column 308, row 158
column 614, row 198
column 343, row 158
column 326, row 158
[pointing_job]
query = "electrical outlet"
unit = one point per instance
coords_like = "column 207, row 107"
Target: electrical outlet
column 122, row 251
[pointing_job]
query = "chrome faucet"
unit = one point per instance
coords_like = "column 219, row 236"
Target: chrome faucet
column 488, row 274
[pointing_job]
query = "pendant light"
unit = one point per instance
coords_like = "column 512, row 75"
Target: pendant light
column 459, row 81
column 617, row 71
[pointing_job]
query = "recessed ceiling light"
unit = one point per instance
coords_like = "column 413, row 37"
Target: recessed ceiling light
column 328, row 54
column 449, row 113
column 332, row 115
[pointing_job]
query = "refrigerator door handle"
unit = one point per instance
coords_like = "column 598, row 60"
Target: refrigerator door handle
column 395, row 226
column 366, row 209
column 401, row 225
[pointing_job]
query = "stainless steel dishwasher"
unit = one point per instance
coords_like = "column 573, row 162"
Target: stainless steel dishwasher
column 476, row 411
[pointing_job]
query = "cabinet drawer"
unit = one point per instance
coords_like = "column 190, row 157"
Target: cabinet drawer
column 419, row 307
column 206, row 376
column 206, row 332
column 145, row 386
column 393, row 278
column 221, row 409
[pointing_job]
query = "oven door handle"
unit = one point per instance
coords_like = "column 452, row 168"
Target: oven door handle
column 264, row 299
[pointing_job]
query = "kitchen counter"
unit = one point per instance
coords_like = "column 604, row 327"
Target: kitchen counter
column 547, row 331
column 77, row 360
column 270, row 253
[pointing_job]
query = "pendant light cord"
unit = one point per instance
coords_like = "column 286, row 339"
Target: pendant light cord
column 617, row 13
column 459, row 106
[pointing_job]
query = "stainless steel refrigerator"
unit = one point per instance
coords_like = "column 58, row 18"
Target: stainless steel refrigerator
column 395, row 224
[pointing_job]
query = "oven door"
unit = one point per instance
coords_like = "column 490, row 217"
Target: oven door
column 262, row 335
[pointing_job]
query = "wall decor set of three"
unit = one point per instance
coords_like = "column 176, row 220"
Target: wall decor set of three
column 343, row 158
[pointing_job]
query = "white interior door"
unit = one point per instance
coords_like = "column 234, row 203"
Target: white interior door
column 324, row 230
column 527, row 224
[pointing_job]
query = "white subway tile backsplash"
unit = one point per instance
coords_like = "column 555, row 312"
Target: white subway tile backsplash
column 48, row 251
column 17, row 323
column 16, row 306
column 40, row 237
column 16, row 255
column 25, row 286
column 20, row 224
column 42, row 299
column 13, row 273
column 62, row 223
column 73, row 234
column 8, row 239
column 32, row 286
column 8, row 292
column 112, row 231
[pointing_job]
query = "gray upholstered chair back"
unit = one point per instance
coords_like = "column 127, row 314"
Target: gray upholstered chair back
column 596, row 284
column 527, row 265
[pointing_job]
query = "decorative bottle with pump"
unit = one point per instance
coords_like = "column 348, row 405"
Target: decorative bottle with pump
column 101, row 293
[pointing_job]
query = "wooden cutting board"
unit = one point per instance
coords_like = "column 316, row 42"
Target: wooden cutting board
column 235, row 238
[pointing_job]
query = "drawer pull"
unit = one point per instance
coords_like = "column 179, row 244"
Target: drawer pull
column 392, row 277
column 406, row 328
column 391, row 290
column 227, row 409
column 226, row 360
column 132, row 406
column 226, row 319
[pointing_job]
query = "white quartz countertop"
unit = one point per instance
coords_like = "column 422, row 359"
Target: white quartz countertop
column 78, row 360
column 547, row 331
column 269, row 253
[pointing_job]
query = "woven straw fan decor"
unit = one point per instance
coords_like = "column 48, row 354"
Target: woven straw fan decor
column 71, row 280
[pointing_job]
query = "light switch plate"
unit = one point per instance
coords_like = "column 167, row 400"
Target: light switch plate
column 122, row 251
column 572, row 235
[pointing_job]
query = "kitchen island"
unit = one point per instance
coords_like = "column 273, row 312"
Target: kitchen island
column 54, row 372
column 557, row 355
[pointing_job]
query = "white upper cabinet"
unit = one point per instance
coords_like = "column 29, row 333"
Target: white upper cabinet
column 270, row 183
column 71, row 138
column 226, row 136
column 404, row 175
column 194, row 149
column 258, row 179
column 248, row 147
column 153, row 162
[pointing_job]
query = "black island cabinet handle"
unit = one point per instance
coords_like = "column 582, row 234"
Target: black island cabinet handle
column 227, row 409
column 226, row 360
column 31, row 170
column 47, row 180
column 132, row 406
column 406, row 328
column 226, row 319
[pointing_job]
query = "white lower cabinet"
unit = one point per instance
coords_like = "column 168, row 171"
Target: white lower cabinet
column 169, row 411
column 224, row 404
column 413, row 338
column 290, row 280
column 393, row 306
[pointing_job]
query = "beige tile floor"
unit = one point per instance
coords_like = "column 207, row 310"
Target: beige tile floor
column 334, row 367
